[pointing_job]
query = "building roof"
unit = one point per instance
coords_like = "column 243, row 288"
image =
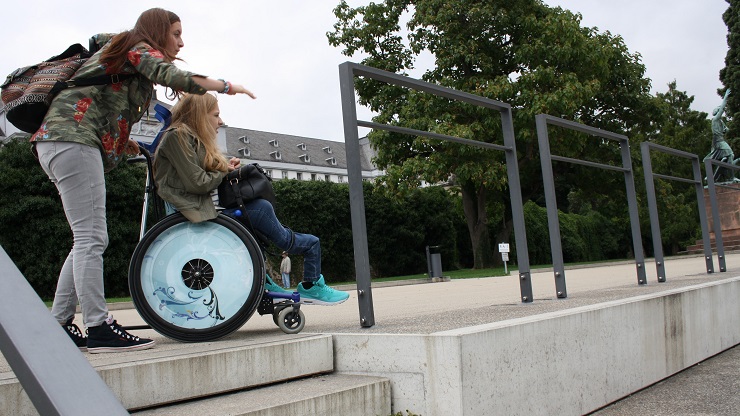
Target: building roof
column 275, row 147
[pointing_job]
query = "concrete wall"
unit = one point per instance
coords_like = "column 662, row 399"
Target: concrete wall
column 568, row 362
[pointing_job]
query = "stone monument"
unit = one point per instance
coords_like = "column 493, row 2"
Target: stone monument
column 728, row 195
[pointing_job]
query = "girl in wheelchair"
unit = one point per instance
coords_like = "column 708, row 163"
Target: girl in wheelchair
column 188, row 167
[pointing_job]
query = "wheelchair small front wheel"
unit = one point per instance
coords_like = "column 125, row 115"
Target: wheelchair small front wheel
column 291, row 320
column 196, row 282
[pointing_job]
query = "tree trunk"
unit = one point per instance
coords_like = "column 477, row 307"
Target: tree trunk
column 474, row 206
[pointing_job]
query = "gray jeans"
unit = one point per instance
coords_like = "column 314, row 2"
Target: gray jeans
column 77, row 172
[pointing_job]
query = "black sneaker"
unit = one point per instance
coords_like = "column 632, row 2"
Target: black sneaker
column 111, row 337
column 77, row 336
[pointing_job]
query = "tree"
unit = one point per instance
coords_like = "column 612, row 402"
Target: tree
column 536, row 58
column 35, row 233
column 730, row 74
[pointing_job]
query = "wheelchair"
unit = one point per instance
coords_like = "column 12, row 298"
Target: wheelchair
column 196, row 282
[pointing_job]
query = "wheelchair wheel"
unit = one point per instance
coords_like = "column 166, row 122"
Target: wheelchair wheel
column 196, row 282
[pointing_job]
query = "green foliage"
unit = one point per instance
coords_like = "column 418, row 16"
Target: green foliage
column 35, row 233
column 536, row 58
column 398, row 229
column 588, row 236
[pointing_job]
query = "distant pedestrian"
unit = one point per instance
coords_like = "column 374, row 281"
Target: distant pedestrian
column 285, row 269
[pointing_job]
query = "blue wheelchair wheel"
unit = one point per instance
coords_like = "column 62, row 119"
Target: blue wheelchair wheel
column 196, row 282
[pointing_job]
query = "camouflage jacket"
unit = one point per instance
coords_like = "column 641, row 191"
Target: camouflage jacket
column 102, row 115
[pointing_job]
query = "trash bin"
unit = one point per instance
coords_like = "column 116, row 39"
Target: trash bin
column 434, row 262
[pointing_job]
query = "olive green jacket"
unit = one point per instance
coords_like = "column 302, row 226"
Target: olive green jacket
column 181, row 179
column 102, row 115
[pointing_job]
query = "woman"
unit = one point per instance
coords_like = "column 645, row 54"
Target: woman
column 85, row 134
column 188, row 167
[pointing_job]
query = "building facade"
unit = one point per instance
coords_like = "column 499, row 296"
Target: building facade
column 282, row 156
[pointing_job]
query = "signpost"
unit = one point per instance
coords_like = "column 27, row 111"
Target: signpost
column 503, row 248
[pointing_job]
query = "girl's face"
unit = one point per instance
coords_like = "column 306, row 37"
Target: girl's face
column 214, row 118
column 175, row 37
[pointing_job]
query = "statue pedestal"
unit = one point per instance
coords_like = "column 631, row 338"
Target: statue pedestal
column 728, row 204
column 728, row 201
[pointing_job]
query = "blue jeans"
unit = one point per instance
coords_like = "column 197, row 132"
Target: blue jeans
column 77, row 172
column 286, row 279
column 262, row 216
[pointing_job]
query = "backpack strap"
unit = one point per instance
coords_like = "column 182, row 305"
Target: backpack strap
column 84, row 82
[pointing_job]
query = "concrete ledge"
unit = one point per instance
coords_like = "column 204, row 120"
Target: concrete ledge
column 568, row 362
column 182, row 376
column 339, row 394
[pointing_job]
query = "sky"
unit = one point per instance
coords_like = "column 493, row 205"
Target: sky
column 278, row 49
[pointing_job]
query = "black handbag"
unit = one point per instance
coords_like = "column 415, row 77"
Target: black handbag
column 247, row 183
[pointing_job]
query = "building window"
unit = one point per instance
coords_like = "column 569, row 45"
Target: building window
column 305, row 157
column 331, row 160
column 274, row 143
column 276, row 155
column 244, row 152
column 299, row 176
column 313, row 176
column 327, row 178
column 340, row 178
column 244, row 139
column 268, row 172
column 327, row 149
column 301, row 146
column 285, row 174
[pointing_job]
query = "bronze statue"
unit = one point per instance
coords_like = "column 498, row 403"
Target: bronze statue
column 720, row 149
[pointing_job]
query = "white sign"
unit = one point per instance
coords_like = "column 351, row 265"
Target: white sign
column 505, row 256
column 503, row 248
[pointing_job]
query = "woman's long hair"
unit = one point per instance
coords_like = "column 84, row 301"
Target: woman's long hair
column 190, row 118
column 153, row 27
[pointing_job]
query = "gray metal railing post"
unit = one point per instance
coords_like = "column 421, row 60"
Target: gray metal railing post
column 546, row 157
column 551, row 203
column 647, row 166
column 703, row 220
column 517, row 205
column 712, row 191
column 356, row 197
column 629, row 181
column 48, row 365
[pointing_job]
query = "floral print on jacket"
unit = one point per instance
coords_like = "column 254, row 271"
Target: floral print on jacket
column 101, row 115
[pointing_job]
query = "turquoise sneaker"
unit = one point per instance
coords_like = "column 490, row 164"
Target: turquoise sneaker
column 273, row 287
column 320, row 294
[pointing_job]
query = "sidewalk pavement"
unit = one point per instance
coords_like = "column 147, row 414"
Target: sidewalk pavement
column 419, row 307
column 415, row 308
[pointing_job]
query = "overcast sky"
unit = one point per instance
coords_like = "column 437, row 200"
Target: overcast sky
column 279, row 50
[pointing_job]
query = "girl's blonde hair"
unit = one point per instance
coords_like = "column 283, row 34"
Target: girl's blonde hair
column 190, row 118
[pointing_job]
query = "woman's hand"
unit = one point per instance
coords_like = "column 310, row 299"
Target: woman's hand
column 234, row 163
column 239, row 89
column 132, row 148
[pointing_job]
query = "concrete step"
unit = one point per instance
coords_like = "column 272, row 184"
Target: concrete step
column 335, row 394
column 175, row 372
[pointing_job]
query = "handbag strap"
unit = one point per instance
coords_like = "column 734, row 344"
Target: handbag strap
column 244, row 219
